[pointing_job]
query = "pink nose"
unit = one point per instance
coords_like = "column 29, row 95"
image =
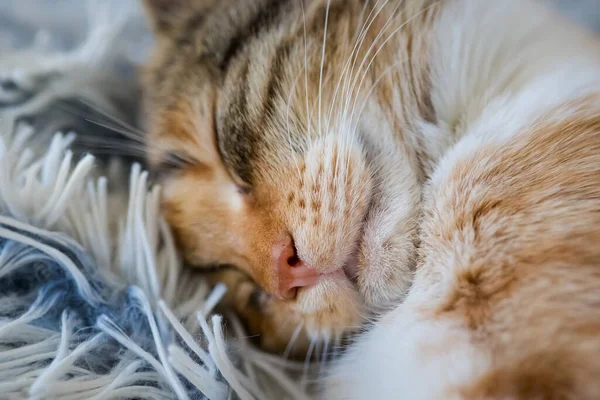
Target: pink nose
column 291, row 271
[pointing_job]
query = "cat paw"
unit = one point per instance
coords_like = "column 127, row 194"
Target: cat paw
column 318, row 315
column 386, row 263
column 387, row 249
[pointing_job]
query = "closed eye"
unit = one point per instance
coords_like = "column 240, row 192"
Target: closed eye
column 243, row 189
column 172, row 163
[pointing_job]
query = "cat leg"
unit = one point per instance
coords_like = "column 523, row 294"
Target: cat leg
column 386, row 256
column 274, row 324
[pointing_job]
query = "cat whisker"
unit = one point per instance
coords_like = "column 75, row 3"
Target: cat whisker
column 306, row 67
column 132, row 129
column 351, row 88
column 307, row 359
column 351, row 56
column 101, row 143
column 111, row 153
column 320, row 98
column 123, row 132
column 354, row 56
column 122, row 127
column 372, row 89
column 398, row 29
column 121, row 147
column 323, row 360
column 292, row 341
column 317, row 353
column 358, row 44
column 132, row 137
column 337, row 344
column 288, row 126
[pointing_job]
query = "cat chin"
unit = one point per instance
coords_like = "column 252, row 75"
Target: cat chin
column 333, row 292
column 325, row 313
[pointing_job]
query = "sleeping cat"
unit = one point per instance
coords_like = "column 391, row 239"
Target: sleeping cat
column 291, row 155
column 433, row 162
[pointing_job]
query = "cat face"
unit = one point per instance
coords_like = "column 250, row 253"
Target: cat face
column 263, row 165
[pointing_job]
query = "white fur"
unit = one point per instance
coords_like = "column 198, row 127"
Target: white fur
column 497, row 66
column 392, row 216
column 407, row 357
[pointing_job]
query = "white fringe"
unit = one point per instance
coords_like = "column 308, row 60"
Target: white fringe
column 43, row 192
column 52, row 193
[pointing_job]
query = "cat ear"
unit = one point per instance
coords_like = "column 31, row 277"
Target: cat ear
column 163, row 13
column 167, row 15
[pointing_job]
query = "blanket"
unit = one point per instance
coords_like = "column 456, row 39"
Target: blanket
column 94, row 301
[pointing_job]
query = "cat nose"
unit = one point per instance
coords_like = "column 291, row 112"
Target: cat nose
column 292, row 273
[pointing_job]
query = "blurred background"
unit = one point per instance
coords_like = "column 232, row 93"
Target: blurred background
column 67, row 19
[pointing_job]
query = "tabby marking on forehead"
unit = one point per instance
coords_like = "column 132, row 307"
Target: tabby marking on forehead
column 304, row 116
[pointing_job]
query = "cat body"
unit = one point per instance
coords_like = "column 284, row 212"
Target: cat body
column 436, row 159
column 506, row 295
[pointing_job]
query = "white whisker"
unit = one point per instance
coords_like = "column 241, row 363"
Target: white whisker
column 349, row 74
column 354, row 53
column 290, row 345
column 385, row 42
column 309, row 120
column 320, row 115
column 324, row 355
column 372, row 89
column 292, row 153
column 351, row 94
column 122, row 128
column 311, row 348
column 130, row 128
column 123, row 132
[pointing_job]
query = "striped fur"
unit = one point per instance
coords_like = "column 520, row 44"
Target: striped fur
column 456, row 138
column 278, row 128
